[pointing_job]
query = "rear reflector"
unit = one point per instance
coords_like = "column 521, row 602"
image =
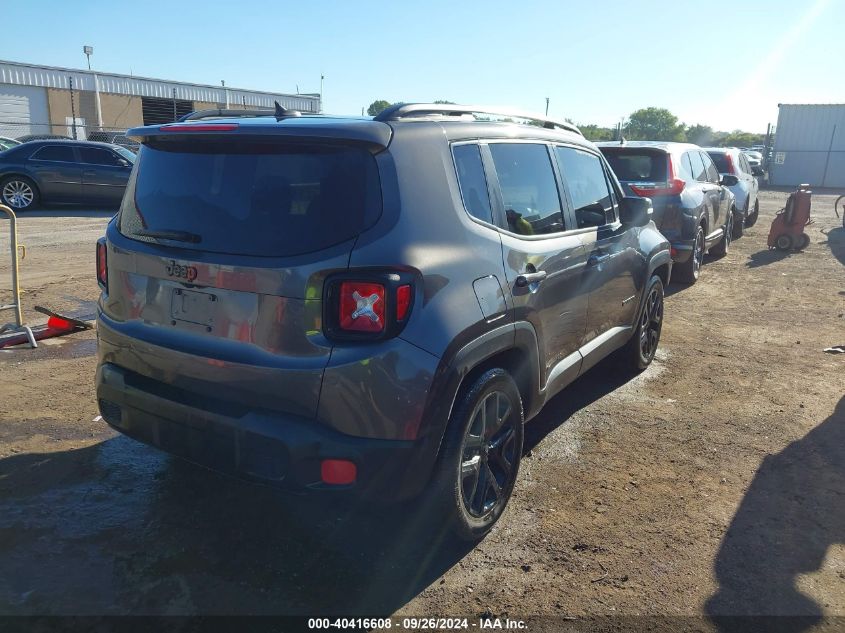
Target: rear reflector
column 338, row 472
column 102, row 265
column 403, row 301
column 199, row 127
column 361, row 307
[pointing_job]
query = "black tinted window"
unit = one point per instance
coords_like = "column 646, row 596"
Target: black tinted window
column 584, row 177
column 637, row 166
column 97, row 156
column 252, row 199
column 473, row 182
column 529, row 190
column 699, row 171
column 55, row 152
column 721, row 160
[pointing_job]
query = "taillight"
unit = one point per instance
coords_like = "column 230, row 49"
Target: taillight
column 102, row 266
column 730, row 161
column 672, row 187
column 361, row 307
column 370, row 305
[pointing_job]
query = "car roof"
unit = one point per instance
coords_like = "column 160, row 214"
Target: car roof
column 63, row 141
column 667, row 146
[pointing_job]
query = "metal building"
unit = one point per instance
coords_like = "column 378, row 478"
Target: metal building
column 809, row 145
column 49, row 100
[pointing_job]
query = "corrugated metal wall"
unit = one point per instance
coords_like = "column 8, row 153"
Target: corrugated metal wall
column 46, row 77
column 809, row 146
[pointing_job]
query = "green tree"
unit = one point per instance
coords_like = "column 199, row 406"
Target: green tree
column 594, row 132
column 738, row 138
column 377, row 106
column 700, row 134
column 654, row 124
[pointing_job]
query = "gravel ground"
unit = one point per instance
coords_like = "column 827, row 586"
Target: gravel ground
column 711, row 484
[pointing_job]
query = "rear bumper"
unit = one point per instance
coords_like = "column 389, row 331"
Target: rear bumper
column 277, row 449
column 682, row 250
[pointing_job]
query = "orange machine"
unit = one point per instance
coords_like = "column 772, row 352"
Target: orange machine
column 787, row 232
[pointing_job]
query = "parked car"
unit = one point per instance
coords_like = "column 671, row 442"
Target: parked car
column 730, row 160
column 114, row 138
column 755, row 160
column 7, row 143
column 63, row 171
column 42, row 137
column 371, row 306
column 693, row 206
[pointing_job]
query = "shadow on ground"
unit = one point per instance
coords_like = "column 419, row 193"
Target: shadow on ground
column 766, row 257
column 836, row 243
column 120, row 528
column 793, row 512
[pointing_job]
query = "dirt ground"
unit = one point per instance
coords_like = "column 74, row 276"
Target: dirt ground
column 713, row 483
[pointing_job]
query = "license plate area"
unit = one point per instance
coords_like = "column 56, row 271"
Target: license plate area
column 190, row 306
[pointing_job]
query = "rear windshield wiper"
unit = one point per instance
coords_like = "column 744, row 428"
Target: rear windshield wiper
column 165, row 234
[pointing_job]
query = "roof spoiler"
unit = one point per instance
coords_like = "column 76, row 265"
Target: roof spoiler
column 400, row 111
column 216, row 113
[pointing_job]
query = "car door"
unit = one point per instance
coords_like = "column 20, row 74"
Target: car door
column 709, row 195
column 57, row 172
column 751, row 179
column 720, row 196
column 104, row 174
column 544, row 258
column 615, row 266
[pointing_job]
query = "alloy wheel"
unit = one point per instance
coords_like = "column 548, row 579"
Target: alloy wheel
column 698, row 253
column 651, row 322
column 18, row 194
column 488, row 455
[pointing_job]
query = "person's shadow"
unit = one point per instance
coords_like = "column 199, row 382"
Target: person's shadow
column 793, row 512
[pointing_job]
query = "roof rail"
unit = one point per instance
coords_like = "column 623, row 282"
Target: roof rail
column 216, row 113
column 404, row 110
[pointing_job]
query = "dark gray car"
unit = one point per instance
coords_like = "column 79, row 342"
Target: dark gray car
column 63, row 171
column 375, row 306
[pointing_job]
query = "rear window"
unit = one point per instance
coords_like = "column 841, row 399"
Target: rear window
column 721, row 161
column 635, row 166
column 249, row 198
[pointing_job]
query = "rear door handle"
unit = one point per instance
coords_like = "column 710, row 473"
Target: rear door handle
column 526, row 279
column 595, row 260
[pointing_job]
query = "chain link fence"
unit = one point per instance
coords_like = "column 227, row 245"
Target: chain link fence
column 12, row 132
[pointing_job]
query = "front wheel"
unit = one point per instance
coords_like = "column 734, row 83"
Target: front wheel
column 783, row 242
column 642, row 346
column 721, row 249
column 739, row 228
column 19, row 193
column 480, row 457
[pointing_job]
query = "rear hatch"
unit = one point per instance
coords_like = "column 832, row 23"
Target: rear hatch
column 646, row 172
column 217, row 257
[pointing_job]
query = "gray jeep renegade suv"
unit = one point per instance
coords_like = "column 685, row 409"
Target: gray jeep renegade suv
column 368, row 305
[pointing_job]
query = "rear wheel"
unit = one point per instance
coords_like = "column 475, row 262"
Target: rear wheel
column 783, row 242
column 19, row 193
column 480, row 456
column 801, row 242
column 739, row 226
column 690, row 270
column 721, row 249
column 751, row 219
column 641, row 348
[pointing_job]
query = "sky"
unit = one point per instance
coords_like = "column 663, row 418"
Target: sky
column 723, row 64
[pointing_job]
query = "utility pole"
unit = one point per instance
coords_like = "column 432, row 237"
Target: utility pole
column 174, row 104
column 547, row 106
column 88, row 50
column 322, row 76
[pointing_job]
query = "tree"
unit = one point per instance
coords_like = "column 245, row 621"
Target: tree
column 738, row 138
column 700, row 134
column 377, row 106
column 597, row 133
column 654, row 124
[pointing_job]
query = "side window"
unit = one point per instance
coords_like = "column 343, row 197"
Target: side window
column 472, row 181
column 529, row 189
column 685, row 168
column 712, row 172
column 62, row 153
column 584, row 176
column 612, row 185
column 97, row 156
column 699, row 171
column 744, row 162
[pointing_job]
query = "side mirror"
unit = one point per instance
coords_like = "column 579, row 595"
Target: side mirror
column 635, row 211
column 728, row 180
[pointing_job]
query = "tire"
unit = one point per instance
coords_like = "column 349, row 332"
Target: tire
column 467, row 464
column 801, row 242
column 739, row 228
column 690, row 270
column 751, row 219
column 783, row 242
column 721, row 249
column 19, row 193
column 642, row 346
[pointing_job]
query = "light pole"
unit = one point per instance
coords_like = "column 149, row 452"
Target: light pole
column 547, row 106
column 88, row 50
column 322, row 76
